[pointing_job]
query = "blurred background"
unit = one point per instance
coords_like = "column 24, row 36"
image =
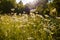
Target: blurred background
column 19, row 6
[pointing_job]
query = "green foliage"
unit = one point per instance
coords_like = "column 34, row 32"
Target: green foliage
column 6, row 6
column 56, row 4
column 20, row 6
column 42, row 5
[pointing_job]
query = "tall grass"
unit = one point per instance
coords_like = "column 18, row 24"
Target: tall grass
column 27, row 27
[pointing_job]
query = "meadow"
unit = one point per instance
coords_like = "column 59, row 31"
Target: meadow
column 29, row 27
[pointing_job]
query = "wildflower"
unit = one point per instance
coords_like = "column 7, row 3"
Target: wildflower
column 48, row 31
column 24, row 12
column 46, row 19
column 16, row 20
column 30, row 13
column 19, row 14
column 52, row 33
column 33, row 16
column 30, row 38
column 15, row 14
column 26, row 16
column 36, row 12
column 45, row 25
column 46, row 16
column 12, row 13
column 24, row 20
column 13, row 17
column 40, row 16
column 57, row 17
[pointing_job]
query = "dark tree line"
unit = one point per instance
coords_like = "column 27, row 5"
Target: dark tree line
column 25, row 10
column 7, row 5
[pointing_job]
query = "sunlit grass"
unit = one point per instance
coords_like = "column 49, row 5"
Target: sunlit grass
column 27, row 27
